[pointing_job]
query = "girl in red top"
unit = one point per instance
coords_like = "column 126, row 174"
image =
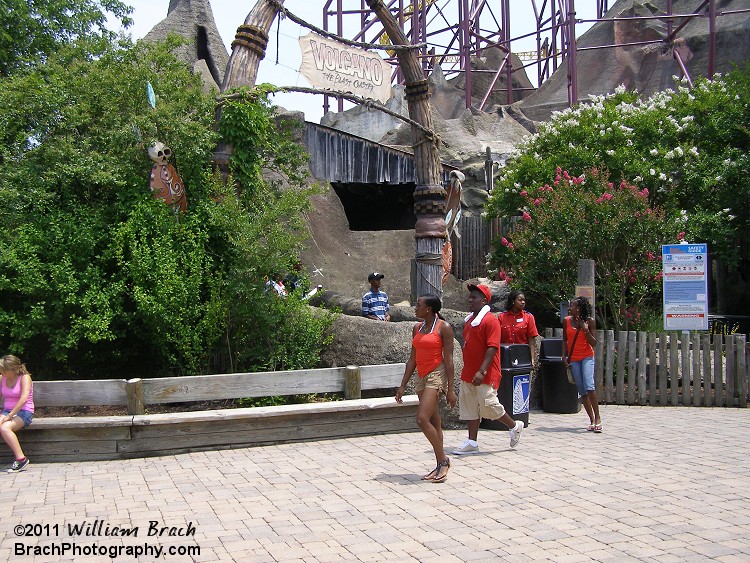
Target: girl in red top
column 432, row 358
column 579, row 335
column 518, row 326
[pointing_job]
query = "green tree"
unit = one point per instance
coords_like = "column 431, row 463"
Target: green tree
column 32, row 30
column 689, row 147
column 97, row 278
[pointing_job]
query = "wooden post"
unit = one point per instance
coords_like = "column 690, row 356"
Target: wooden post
column 730, row 363
column 742, row 369
column 652, row 369
column 610, row 365
column 632, row 367
column 599, row 366
column 685, row 356
column 134, row 391
column 352, row 383
column 707, row 379
column 429, row 196
column 622, row 346
column 696, row 369
column 586, row 274
column 674, row 368
column 641, row 368
column 249, row 47
column 663, row 369
column 718, row 371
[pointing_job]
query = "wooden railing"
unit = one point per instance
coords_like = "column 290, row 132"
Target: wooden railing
column 137, row 434
column 138, row 393
column 688, row 369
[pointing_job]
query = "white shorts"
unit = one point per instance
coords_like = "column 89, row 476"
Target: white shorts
column 475, row 402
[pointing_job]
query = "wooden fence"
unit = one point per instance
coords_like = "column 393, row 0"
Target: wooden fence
column 471, row 249
column 688, row 369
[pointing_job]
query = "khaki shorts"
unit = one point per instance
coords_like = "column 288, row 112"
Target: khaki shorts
column 436, row 379
column 478, row 402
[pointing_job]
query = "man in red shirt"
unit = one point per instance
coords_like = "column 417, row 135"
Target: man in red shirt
column 480, row 377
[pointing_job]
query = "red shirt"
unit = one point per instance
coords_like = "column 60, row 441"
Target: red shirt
column 429, row 349
column 582, row 347
column 476, row 341
column 517, row 329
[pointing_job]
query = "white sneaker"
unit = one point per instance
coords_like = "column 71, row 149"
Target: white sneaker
column 466, row 449
column 515, row 433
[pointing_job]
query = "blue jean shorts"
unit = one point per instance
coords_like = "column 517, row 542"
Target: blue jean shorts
column 26, row 416
column 583, row 373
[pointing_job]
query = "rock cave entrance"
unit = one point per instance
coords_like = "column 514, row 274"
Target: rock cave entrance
column 377, row 207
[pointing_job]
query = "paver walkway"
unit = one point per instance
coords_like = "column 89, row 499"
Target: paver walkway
column 660, row 484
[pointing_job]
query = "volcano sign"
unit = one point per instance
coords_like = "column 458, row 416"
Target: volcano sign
column 331, row 65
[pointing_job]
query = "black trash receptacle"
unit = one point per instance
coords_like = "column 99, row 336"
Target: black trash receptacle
column 513, row 393
column 558, row 394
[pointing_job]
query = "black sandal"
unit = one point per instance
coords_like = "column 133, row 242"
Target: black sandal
column 447, row 465
column 431, row 475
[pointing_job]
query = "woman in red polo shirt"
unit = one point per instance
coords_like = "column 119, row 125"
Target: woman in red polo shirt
column 518, row 326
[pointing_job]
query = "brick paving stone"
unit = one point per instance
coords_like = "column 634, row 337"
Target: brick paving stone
column 562, row 495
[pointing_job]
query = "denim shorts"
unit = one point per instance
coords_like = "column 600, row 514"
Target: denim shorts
column 26, row 416
column 583, row 373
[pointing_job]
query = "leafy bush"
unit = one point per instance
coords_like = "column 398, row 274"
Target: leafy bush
column 588, row 217
column 690, row 148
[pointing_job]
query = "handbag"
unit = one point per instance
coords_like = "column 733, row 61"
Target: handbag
column 570, row 351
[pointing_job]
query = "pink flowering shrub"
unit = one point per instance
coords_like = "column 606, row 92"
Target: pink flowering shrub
column 587, row 217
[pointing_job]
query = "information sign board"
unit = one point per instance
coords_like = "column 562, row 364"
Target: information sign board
column 684, row 268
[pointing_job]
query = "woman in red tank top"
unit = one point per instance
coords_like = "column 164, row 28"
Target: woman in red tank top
column 432, row 358
column 579, row 337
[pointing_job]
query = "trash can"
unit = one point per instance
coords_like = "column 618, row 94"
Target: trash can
column 513, row 393
column 558, row 394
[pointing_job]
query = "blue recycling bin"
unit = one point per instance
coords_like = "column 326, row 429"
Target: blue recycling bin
column 515, row 383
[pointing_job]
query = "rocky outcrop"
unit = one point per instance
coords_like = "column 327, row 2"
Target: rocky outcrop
column 205, row 51
column 647, row 68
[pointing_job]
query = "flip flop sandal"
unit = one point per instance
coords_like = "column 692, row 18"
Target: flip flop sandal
column 598, row 428
column 446, row 464
column 590, row 428
column 431, row 475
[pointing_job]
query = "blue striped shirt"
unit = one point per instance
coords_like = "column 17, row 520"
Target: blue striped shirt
column 375, row 304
